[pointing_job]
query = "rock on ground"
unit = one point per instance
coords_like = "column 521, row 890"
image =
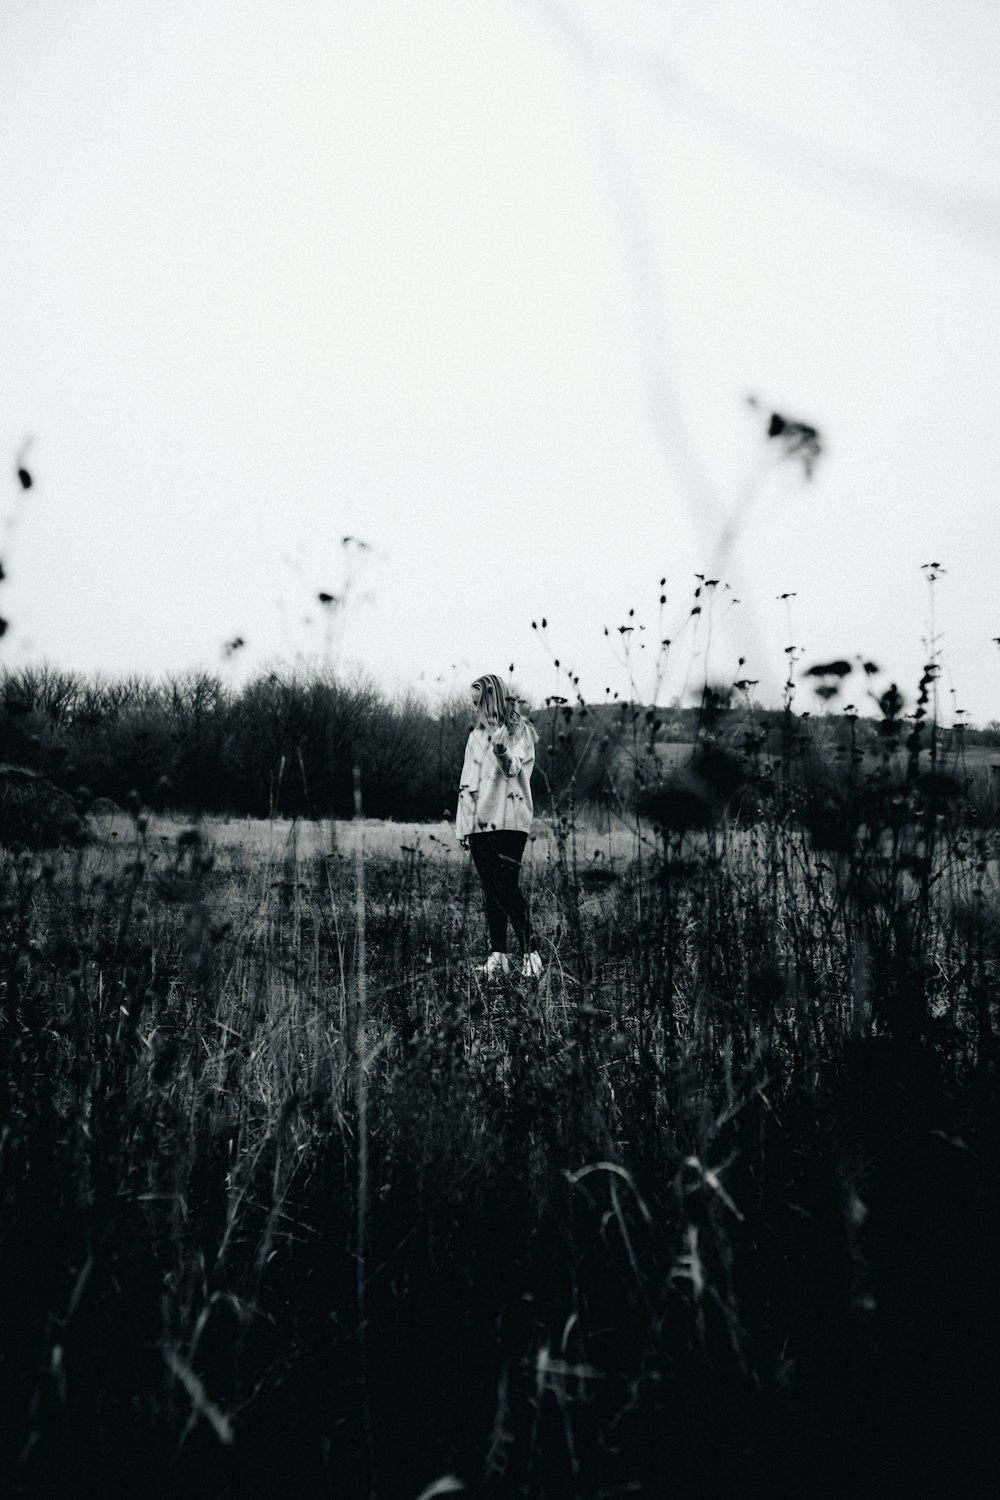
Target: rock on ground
column 34, row 814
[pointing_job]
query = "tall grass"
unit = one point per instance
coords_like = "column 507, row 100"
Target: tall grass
column 293, row 1204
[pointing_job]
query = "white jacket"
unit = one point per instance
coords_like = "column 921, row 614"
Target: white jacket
column 495, row 790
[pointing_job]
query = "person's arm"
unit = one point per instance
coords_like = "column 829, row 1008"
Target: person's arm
column 508, row 762
column 466, row 791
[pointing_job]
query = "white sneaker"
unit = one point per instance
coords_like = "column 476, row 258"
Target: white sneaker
column 497, row 963
column 532, row 966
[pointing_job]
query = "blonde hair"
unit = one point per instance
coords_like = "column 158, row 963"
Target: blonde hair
column 497, row 705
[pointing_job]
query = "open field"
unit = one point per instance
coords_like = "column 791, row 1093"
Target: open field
column 274, row 838
column 713, row 1208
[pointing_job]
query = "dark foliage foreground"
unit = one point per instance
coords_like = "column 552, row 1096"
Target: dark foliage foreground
column 292, row 1206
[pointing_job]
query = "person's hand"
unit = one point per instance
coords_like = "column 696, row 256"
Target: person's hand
column 498, row 737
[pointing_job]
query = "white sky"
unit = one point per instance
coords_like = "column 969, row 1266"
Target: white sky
column 486, row 283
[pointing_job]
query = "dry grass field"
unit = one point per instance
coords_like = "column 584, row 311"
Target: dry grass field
column 711, row 1208
column 273, row 839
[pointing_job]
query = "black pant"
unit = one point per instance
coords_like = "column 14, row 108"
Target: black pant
column 497, row 858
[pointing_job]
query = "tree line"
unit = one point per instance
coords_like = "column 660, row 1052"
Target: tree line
column 287, row 741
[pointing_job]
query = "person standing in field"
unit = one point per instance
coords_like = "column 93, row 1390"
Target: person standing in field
column 494, row 818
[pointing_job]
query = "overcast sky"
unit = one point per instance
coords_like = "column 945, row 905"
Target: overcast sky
column 486, row 284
